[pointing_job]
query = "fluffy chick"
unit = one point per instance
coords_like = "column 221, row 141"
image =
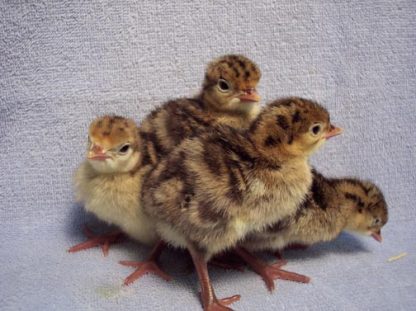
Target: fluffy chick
column 332, row 205
column 108, row 181
column 228, row 96
column 216, row 187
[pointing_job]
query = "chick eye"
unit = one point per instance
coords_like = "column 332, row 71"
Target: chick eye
column 376, row 221
column 223, row 85
column 316, row 129
column 124, row 149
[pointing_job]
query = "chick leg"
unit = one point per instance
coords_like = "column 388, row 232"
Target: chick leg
column 209, row 300
column 148, row 266
column 103, row 240
column 269, row 273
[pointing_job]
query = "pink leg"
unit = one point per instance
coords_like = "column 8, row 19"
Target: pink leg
column 104, row 240
column 269, row 273
column 148, row 266
column 209, row 300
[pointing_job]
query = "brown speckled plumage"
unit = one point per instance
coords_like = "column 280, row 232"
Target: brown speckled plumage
column 170, row 124
column 332, row 205
column 217, row 186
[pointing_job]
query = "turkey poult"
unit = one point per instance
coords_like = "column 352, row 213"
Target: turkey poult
column 332, row 205
column 218, row 186
column 107, row 183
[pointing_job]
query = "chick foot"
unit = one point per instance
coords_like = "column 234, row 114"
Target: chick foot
column 148, row 266
column 208, row 297
column 103, row 240
column 221, row 304
column 272, row 272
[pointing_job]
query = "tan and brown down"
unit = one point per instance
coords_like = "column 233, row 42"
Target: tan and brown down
column 216, row 186
column 331, row 206
column 168, row 125
column 244, row 73
column 112, row 130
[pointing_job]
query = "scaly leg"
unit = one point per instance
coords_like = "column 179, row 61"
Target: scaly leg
column 269, row 273
column 103, row 240
column 148, row 266
column 209, row 300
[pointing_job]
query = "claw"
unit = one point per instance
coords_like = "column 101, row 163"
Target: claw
column 269, row 273
column 104, row 241
column 221, row 304
column 141, row 269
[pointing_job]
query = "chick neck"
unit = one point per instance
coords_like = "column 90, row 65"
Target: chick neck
column 344, row 208
column 131, row 167
column 272, row 148
column 206, row 96
column 350, row 205
column 324, row 208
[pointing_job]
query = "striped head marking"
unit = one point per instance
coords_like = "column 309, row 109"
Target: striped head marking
column 113, row 143
column 230, row 83
column 293, row 126
column 369, row 208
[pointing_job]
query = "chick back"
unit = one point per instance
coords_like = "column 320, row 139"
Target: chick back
column 168, row 125
column 214, row 188
column 319, row 218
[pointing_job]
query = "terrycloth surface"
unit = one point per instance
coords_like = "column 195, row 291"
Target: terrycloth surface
column 64, row 62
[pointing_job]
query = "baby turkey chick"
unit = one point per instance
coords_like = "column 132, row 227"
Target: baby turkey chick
column 216, row 187
column 332, row 205
column 108, row 181
column 228, row 96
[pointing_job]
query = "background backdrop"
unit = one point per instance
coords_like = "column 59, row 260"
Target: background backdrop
column 64, row 63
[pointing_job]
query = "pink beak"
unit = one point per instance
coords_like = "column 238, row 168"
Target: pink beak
column 250, row 95
column 97, row 154
column 377, row 236
column 333, row 131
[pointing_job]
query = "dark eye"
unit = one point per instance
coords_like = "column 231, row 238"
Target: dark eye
column 223, row 85
column 376, row 221
column 316, row 129
column 124, row 149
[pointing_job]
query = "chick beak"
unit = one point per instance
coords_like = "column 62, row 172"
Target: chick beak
column 377, row 236
column 249, row 95
column 333, row 131
column 97, row 154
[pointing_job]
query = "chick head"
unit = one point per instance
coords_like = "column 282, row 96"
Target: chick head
column 292, row 127
column 230, row 84
column 113, row 144
column 369, row 208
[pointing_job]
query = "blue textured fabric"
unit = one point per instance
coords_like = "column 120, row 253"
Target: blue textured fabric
column 64, row 62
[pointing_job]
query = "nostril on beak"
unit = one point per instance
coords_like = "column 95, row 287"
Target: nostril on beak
column 97, row 149
column 249, row 91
